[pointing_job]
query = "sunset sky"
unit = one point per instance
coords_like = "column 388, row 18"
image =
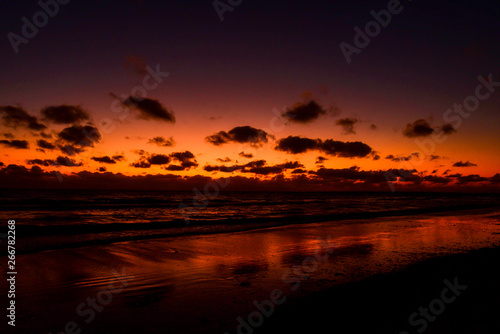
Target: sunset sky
column 266, row 92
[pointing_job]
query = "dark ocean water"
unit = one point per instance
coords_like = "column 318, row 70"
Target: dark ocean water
column 62, row 218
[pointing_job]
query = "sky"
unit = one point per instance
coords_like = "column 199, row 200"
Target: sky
column 270, row 95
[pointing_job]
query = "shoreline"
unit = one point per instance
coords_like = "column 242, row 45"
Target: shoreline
column 203, row 283
column 83, row 231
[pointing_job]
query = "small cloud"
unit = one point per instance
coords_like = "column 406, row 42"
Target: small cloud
column 60, row 161
column 448, row 129
column 304, row 112
column 45, row 135
column 18, row 144
column 400, row 158
column 8, row 135
column 104, row 160
column 422, row 128
column 186, row 159
column 320, row 160
column 15, row 117
column 373, row 127
column 65, row 114
column 161, row 141
column 464, row 164
column 246, row 155
column 227, row 159
column 419, row 128
column 297, row 145
column 240, row 134
column 76, row 138
column 102, row 169
column 148, row 109
column 347, row 125
column 45, row 144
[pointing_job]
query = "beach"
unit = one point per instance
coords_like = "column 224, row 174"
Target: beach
column 326, row 272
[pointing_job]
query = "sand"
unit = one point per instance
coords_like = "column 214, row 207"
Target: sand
column 349, row 272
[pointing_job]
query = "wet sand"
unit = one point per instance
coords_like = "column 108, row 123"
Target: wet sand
column 203, row 284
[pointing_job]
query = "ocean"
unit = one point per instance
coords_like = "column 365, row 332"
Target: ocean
column 55, row 219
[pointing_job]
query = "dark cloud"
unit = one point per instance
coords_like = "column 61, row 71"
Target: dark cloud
column 104, row 160
column 15, row 117
column 118, row 157
column 1, row 164
column 348, row 179
column 401, row 158
column 60, row 161
column 290, row 165
column 246, row 155
column 298, row 171
column 495, row 178
column 45, row 135
column 45, row 144
column 240, row 134
column 347, row 125
column 433, row 157
column 296, row 145
column 18, row 144
column 186, row 160
column 422, row 128
column 256, row 167
column 76, row 138
column 346, row 149
column 373, row 127
column 464, row 164
column 462, row 179
column 320, row 160
column 376, row 157
column 161, row 141
column 139, row 152
column 158, row 159
column 141, row 164
column 448, row 129
column 419, row 128
column 65, row 114
column 102, row 169
column 265, row 170
column 8, row 135
column 227, row 159
column 149, row 109
column 304, row 112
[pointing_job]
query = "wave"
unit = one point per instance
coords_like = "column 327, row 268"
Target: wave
column 70, row 236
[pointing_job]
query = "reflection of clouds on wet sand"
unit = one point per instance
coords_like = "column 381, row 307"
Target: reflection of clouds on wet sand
column 216, row 277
